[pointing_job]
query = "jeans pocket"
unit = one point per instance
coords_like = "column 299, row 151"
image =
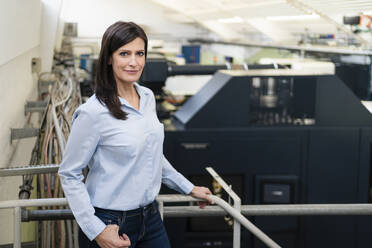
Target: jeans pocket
column 108, row 218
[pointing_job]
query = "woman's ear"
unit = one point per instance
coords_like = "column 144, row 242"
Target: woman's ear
column 110, row 60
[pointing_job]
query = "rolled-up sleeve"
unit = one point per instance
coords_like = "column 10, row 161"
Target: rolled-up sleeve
column 175, row 180
column 80, row 147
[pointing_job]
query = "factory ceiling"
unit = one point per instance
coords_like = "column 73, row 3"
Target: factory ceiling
column 280, row 21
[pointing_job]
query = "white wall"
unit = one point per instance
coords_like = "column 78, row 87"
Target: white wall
column 20, row 27
column 28, row 29
column 50, row 18
column 17, row 85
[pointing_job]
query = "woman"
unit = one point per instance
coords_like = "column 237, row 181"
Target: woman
column 118, row 135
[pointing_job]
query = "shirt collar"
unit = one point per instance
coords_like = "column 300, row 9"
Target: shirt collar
column 140, row 90
column 142, row 93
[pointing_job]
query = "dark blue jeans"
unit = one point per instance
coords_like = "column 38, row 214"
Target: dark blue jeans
column 143, row 226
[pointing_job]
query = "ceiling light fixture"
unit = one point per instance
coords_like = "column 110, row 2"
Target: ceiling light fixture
column 292, row 18
column 235, row 19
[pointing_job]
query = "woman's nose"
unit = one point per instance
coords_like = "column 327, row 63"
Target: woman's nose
column 133, row 61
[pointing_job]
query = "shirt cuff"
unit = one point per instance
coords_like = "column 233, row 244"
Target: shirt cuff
column 94, row 228
column 187, row 187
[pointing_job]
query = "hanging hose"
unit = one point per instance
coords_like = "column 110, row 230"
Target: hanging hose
column 63, row 98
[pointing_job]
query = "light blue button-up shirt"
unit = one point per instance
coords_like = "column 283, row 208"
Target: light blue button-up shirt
column 125, row 159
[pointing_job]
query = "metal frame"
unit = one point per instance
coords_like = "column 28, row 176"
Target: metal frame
column 246, row 210
column 36, row 106
column 33, row 169
column 20, row 133
column 188, row 211
column 236, row 212
column 311, row 49
column 18, row 204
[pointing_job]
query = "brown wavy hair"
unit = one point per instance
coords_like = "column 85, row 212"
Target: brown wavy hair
column 117, row 35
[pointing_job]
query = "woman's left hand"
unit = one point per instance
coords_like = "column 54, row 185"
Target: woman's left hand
column 202, row 193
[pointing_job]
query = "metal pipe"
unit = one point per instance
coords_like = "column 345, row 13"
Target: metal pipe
column 30, row 170
column 69, row 233
column 34, row 203
column 194, row 69
column 308, row 209
column 274, row 210
column 49, row 214
column 76, row 232
column 175, row 198
column 327, row 50
column 249, row 210
column 161, row 209
column 188, row 211
column 17, row 227
column 237, row 228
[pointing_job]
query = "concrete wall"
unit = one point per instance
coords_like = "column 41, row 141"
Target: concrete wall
column 28, row 30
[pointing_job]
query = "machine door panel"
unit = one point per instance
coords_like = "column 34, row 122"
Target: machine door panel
column 250, row 155
column 332, row 176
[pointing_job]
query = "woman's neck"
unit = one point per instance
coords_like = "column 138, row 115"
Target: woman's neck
column 129, row 93
column 126, row 90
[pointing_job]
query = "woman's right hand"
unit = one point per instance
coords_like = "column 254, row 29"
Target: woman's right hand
column 109, row 238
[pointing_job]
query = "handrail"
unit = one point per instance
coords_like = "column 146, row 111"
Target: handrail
column 18, row 204
column 230, row 210
column 188, row 211
column 248, row 210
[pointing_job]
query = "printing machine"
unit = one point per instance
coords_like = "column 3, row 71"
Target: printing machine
column 278, row 137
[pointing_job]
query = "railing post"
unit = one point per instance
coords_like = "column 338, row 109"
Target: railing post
column 161, row 209
column 17, row 227
column 236, row 230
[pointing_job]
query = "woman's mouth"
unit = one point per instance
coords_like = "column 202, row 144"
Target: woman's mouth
column 131, row 71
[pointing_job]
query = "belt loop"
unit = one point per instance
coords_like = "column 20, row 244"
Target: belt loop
column 123, row 217
column 154, row 207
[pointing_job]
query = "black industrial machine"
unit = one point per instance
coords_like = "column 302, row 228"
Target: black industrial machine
column 157, row 70
column 267, row 131
column 356, row 75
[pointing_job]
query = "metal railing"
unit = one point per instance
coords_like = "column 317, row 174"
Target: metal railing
column 237, row 211
column 18, row 204
column 193, row 211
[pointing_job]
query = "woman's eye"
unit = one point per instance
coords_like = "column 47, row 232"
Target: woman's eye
column 141, row 54
column 123, row 54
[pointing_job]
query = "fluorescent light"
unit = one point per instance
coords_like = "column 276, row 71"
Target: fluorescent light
column 235, row 19
column 291, row 18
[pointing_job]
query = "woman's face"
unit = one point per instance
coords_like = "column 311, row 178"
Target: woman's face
column 128, row 61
